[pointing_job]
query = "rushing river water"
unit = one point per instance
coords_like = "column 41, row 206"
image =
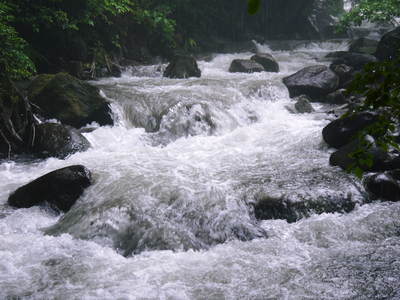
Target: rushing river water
column 169, row 215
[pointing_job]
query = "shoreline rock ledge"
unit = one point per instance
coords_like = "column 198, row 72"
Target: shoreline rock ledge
column 59, row 189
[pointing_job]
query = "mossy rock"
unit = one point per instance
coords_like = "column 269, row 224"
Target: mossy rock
column 68, row 99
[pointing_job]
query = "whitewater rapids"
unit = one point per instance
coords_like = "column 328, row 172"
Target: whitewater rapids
column 169, row 215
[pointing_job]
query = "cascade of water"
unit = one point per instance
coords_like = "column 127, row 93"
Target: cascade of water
column 174, row 182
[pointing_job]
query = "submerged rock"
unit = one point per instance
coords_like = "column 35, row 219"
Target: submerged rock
column 182, row 67
column 267, row 61
column 70, row 100
column 245, row 66
column 271, row 208
column 60, row 189
column 303, row 105
column 341, row 131
column 56, row 140
column 389, row 45
column 315, row 82
column 385, row 186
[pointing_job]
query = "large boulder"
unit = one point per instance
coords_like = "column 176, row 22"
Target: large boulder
column 341, row 131
column 364, row 45
column 56, row 140
column 385, row 186
column 17, row 123
column 70, row 100
column 355, row 60
column 245, row 66
column 267, row 61
column 182, row 67
column 389, row 45
column 60, row 189
column 315, row 82
column 282, row 207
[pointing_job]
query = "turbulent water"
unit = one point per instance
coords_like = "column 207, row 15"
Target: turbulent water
column 169, row 215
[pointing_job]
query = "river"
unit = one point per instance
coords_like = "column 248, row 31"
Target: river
column 169, row 215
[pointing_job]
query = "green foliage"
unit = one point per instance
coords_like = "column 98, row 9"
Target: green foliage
column 379, row 84
column 376, row 11
column 13, row 57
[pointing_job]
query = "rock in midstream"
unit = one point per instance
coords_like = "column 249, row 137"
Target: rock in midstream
column 268, row 207
column 315, row 82
column 60, row 189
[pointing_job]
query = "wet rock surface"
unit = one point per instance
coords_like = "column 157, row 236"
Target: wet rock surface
column 271, row 208
column 303, row 105
column 182, row 67
column 56, row 140
column 315, row 82
column 364, row 45
column 389, row 45
column 245, row 66
column 384, row 185
column 355, row 60
column 267, row 61
column 60, row 189
column 69, row 100
column 341, row 131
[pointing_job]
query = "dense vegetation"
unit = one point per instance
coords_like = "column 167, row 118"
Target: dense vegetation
column 379, row 84
column 46, row 35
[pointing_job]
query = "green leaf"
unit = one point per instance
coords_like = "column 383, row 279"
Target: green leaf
column 253, row 6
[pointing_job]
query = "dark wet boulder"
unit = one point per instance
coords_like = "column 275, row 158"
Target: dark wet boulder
column 364, row 45
column 182, row 66
column 70, row 100
column 345, row 74
column 56, row 140
column 60, row 189
column 389, row 45
column 314, row 81
column 245, row 66
column 303, row 105
column 344, row 157
column 267, row 61
column 341, row 131
column 271, row 208
column 355, row 60
column 385, row 186
column 17, row 123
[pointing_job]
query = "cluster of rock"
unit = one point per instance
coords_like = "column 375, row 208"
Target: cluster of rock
column 260, row 62
column 328, row 85
column 383, row 181
column 24, row 131
column 71, row 101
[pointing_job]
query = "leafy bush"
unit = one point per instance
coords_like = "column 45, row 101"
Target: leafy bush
column 13, row 58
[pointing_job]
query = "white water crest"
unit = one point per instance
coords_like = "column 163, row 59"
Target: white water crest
column 169, row 215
